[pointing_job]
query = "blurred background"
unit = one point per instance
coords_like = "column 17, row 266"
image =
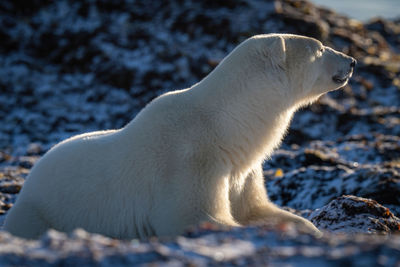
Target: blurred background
column 68, row 67
column 363, row 10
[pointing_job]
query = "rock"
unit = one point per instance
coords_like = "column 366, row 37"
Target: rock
column 11, row 181
column 34, row 149
column 352, row 214
column 249, row 246
column 313, row 175
column 314, row 187
column 304, row 17
column 10, row 188
column 27, row 161
column 4, row 156
column 390, row 30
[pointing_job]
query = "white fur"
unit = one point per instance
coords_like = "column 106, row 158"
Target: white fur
column 189, row 156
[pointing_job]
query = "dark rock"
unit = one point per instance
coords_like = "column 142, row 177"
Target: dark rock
column 390, row 30
column 314, row 187
column 4, row 156
column 22, row 8
column 352, row 214
column 317, row 157
column 34, row 149
column 10, row 188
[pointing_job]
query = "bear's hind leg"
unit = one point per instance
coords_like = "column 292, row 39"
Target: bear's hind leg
column 24, row 221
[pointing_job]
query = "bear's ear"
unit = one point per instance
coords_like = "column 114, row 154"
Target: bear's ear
column 277, row 51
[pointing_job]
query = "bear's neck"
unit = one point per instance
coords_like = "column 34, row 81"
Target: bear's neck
column 249, row 126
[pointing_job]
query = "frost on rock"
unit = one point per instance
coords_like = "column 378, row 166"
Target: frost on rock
column 311, row 176
column 314, row 187
column 352, row 214
column 250, row 246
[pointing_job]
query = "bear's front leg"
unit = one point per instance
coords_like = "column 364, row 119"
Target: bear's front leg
column 251, row 205
column 188, row 200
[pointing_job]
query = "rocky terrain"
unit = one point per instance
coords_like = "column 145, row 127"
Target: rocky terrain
column 68, row 67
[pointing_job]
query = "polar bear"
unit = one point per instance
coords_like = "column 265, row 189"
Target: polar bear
column 190, row 155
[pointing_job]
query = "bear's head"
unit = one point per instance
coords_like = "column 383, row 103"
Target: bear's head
column 303, row 65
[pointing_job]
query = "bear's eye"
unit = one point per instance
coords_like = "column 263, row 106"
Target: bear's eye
column 320, row 51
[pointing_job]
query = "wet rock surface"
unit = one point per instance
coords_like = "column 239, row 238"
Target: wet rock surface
column 68, row 67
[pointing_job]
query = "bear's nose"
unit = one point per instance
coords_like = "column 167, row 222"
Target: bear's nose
column 353, row 63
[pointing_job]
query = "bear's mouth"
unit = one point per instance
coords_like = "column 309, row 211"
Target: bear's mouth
column 340, row 79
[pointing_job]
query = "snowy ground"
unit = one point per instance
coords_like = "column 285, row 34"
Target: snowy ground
column 68, row 67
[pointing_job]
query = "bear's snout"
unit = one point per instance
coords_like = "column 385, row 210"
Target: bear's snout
column 353, row 63
column 344, row 74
